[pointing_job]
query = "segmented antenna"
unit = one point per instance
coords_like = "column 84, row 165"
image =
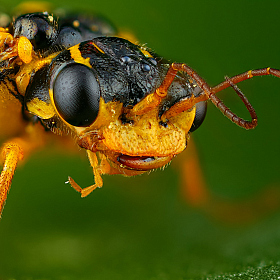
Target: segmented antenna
column 210, row 93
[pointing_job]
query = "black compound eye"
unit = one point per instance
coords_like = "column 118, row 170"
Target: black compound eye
column 39, row 28
column 201, row 108
column 76, row 95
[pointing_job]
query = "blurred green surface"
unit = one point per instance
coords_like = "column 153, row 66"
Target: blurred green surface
column 141, row 228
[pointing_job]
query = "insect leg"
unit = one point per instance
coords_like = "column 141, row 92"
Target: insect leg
column 12, row 153
column 97, row 177
column 197, row 193
column 194, row 188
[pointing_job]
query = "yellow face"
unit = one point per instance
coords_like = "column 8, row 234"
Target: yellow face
column 143, row 137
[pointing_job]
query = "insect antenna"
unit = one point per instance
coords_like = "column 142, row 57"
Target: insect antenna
column 231, row 82
column 210, row 93
column 229, row 114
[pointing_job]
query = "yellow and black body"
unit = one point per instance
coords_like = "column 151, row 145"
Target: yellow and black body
column 132, row 110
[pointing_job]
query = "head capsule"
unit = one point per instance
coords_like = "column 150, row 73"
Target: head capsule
column 92, row 90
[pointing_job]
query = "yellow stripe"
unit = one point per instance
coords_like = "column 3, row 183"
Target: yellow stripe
column 41, row 108
column 77, row 56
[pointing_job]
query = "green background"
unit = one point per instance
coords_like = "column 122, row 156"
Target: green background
column 141, row 227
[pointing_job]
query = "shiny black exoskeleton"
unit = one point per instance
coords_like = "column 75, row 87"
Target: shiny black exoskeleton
column 116, row 69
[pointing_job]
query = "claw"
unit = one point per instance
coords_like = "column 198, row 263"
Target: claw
column 84, row 192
